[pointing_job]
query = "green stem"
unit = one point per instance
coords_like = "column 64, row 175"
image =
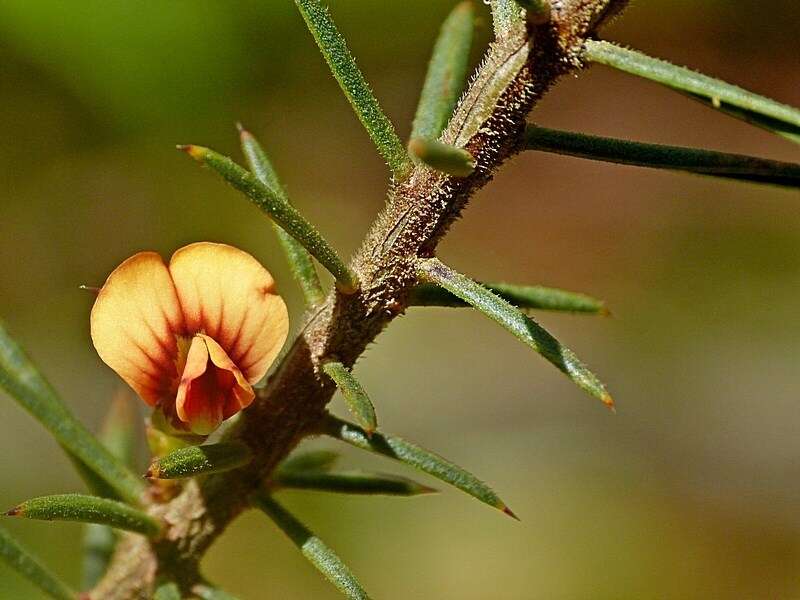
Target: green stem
column 442, row 157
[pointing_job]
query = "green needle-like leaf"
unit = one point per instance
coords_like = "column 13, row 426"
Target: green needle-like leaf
column 279, row 210
column 19, row 559
column 87, row 509
column 352, row 483
column 200, row 460
column 442, row 157
column 521, row 326
column 521, row 296
column 354, row 395
column 657, row 156
column 419, row 458
column 355, row 87
column 313, row 548
column 758, row 110
column 447, row 73
column 20, row 379
column 300, row 261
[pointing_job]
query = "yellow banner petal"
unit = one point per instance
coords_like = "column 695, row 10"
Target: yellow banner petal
column 226, row 294
column 134, row 325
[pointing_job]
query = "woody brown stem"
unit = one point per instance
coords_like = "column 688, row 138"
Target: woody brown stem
column 419, row 212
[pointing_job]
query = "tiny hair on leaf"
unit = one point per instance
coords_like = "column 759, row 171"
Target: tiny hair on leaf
column 87, row 509
column 313, row 548
column 355, row 397
column 200, row 460
column 355, row 87
column 515, row 321
column 300, row 261
column 781, row 119
column 278, row 209
column 417, row 457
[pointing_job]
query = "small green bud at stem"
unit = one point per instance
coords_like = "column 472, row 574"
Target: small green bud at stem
column 442, row 157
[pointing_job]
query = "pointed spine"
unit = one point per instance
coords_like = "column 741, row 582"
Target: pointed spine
column 313, row 548
column 517, row 323
column 355, row 397
column 279, row 210
column 87, row 509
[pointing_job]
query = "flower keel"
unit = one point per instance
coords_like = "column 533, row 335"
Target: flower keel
column 212, row 387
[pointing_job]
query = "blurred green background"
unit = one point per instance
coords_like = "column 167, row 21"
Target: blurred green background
column 689, row 491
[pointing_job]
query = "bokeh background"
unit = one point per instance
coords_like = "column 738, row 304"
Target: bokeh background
column 689, row 491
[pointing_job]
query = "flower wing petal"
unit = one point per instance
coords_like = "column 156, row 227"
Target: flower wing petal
column 134, row 323
column 227, row 294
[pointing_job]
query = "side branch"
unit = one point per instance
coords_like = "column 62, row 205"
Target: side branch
column 489, row 124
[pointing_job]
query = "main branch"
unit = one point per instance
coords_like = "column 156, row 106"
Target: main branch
column 489, row 123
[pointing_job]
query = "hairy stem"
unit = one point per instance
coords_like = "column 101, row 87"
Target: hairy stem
column 489, row 123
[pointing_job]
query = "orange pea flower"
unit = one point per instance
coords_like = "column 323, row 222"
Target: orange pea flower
column 191, row 337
